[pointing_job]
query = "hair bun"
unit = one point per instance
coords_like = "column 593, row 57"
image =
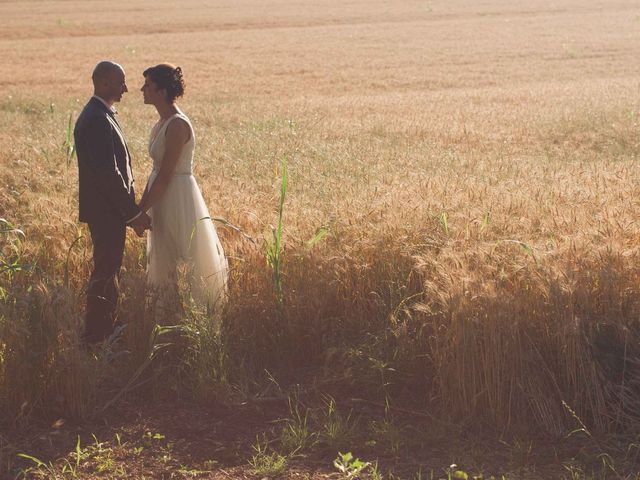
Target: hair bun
column 167, row 77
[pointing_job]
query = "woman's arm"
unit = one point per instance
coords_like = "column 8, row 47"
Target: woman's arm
column 177, row 135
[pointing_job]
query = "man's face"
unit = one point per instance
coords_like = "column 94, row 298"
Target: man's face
column 117, row 85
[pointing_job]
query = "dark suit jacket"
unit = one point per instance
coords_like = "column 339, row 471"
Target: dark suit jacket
column 106, row 183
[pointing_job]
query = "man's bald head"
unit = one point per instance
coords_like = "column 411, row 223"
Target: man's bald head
column 104, row 70
column 108, row 81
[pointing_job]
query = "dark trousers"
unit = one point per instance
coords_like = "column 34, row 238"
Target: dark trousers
column 102, row 292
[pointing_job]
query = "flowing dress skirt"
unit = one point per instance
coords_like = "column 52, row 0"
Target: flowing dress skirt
column 182, row 231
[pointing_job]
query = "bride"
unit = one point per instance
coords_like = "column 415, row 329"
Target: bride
column 182, row 230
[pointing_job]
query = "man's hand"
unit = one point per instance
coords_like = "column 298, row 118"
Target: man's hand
column 140, row 224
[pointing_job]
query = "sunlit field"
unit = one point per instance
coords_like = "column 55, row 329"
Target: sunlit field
column 460, row 196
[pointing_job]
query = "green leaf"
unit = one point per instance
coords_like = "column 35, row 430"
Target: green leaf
column 444, row 222
column 35, row 460
column 320, row 234
column 78, row 452
column 69, row 129
column 485, row 220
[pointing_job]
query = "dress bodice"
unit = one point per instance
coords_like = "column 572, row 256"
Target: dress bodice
column 157, row 142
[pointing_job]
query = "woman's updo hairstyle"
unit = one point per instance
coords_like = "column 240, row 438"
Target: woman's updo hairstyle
column 167, row 77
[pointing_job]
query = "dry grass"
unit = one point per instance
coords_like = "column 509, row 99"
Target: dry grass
column 476, row 165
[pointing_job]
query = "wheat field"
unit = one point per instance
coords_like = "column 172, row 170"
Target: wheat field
column 473, row 167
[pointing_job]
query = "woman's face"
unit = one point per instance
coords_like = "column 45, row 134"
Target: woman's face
column 151, row 93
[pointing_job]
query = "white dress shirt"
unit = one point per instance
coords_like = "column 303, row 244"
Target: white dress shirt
column 111, row 108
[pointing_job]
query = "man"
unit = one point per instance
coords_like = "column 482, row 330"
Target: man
column 107, row 199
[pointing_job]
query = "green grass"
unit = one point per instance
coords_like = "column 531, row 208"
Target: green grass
column 266, row 463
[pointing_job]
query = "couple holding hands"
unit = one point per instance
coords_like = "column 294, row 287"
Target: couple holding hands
column 171, row 207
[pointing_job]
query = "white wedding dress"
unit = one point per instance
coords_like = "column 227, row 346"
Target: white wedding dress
column 182, row 230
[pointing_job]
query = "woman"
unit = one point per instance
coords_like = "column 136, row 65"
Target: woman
column 182, row 230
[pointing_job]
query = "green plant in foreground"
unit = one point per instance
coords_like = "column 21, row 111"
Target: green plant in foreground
column 48, row 470
column 274, row 248
column 68, row 145
column 9, row 247
column 337, row 430
column 388, row 435
column 296, row 434
column 265, row 463
column 45, row 470
column 453, row 473
column 350, row 467
column 154, row 347
column 444, row 222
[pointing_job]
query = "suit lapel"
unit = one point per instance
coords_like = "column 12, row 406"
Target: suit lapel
column 116, row 127
column 115, row 124
column 127, row 160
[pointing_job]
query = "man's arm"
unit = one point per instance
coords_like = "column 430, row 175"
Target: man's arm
column 102, row 161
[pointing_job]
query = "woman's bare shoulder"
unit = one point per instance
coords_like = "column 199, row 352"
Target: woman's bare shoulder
column 178, row 129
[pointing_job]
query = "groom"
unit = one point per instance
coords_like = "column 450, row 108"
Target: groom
column 107, row 199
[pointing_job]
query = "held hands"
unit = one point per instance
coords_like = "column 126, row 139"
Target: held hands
column 140, row 224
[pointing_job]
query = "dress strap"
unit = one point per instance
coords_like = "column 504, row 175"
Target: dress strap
column 181, row 116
